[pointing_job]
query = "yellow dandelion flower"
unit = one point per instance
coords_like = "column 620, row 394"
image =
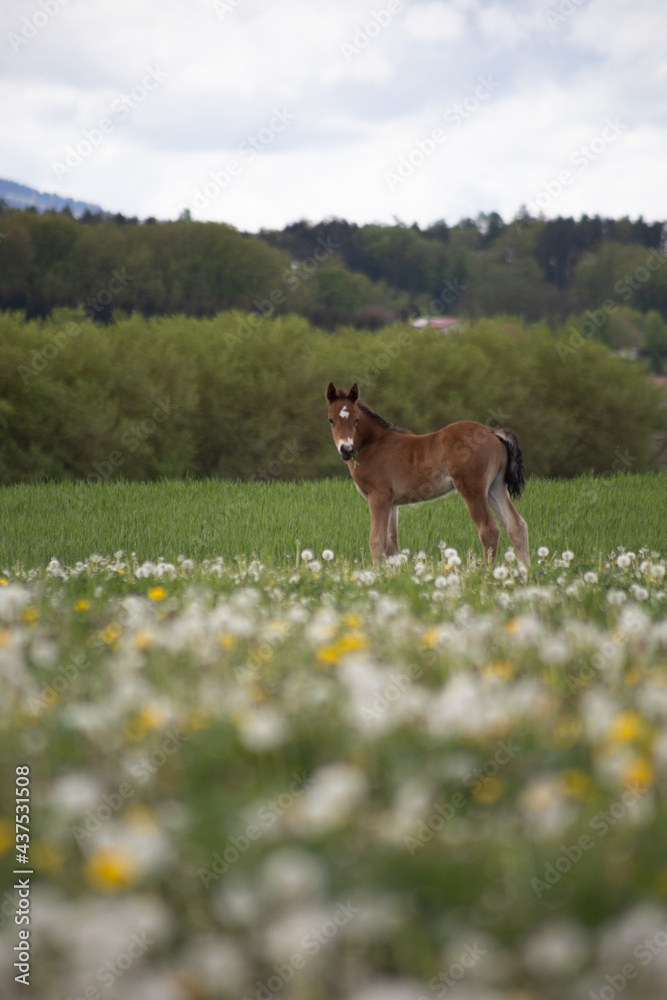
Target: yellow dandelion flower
column 143, row 639
column 489, row 791
column 121, row 572
column 575, row 783
column 512, row 626
column 6, row 836
column 82, row 605
column 110, row 633
column 352, row 620
column 431, row 636
column 328, row 655
column 110, row 869
column 228, row 641
column 639, row 772
column 500, row 668
column 3, row 581
column 633, row 676
column 141, row 819
column 47, row 857
column 198, row 719
column 152, row 717
column 354, row 640
column 258, row 693
column 30, row 614
column 157, row 593
column 626, row 727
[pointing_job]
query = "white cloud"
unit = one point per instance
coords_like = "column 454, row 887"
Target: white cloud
column 355, row 112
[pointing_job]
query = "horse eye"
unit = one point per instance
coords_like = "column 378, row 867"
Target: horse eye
column 356, row 421
column 330, row 420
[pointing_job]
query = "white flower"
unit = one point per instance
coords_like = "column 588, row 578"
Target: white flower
column 623, row 560
column 639, row 593
column 543, row 552
column 616, row 597
column 450, row 554
column 315, row 566
column 327, row 555
column 454, row 561
column 262, row 729
column 500, row 572
column 590, row 577
column 306, row 555
column 510, row 557
column 567, row 556
column 335, row 792
column 440, row 582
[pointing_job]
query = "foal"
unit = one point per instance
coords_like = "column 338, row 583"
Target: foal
column 391, row 466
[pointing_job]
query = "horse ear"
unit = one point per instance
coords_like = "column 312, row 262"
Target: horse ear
column 331, row 392
column 353, row 394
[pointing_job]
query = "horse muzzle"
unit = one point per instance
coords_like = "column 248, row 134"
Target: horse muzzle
column 346, row 452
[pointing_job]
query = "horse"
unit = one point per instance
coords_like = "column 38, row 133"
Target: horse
column 390, row 467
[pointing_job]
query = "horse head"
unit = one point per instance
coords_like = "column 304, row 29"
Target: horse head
column 343, row 417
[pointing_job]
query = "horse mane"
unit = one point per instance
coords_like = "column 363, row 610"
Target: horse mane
column 376, row 418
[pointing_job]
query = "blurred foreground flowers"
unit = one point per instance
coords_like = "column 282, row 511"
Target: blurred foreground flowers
column 333, row 783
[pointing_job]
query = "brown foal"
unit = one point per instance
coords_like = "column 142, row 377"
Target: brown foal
column 391, row 467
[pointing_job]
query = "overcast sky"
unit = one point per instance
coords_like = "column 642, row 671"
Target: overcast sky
column 263, row 112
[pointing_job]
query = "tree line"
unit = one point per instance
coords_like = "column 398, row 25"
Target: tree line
column 242, row 396
column 335, row 272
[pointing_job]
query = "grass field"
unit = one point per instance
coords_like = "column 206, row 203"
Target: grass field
column 212, row 518
column 290, row 776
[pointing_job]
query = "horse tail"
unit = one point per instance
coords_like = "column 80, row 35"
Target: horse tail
column 515, row 476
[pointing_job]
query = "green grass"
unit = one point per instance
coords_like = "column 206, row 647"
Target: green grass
column 203, row 519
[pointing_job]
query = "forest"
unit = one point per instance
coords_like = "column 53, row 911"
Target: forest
column 605, row 272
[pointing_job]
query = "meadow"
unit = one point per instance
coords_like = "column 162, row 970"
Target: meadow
column 204, row 519
column 260, row 768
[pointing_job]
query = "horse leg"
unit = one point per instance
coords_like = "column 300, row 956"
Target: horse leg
column 392, row 532
column 514, row 524
column 380, row 511
column 487, row 529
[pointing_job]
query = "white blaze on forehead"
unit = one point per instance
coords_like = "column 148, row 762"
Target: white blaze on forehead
column 346, row 443
column 344, row 413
